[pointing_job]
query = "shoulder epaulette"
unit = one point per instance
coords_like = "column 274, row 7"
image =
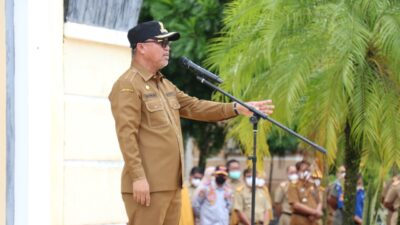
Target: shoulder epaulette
column 240, row 188
column 284, row 184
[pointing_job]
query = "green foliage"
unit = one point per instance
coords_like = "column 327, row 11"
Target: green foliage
column 197, row 21
column 281, row 144
column 326, row 64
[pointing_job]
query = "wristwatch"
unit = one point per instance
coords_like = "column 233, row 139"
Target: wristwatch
column 235, row 108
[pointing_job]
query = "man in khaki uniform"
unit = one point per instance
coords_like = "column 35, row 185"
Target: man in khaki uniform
column 147, row 109
column 242, row 202
column 392, row 201
column 386, row 186
column 234, row 174
column 316, row 178
column 304, row 198
column 282, row 207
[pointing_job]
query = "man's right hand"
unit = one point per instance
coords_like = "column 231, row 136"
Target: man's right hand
column 141, row 192
column 318, row 213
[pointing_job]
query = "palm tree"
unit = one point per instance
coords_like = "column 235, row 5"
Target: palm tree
column 332, row 68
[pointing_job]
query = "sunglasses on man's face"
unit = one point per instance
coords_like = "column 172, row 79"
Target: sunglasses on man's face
column 162, row 42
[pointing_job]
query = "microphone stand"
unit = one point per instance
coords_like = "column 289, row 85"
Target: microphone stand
column 257, row 115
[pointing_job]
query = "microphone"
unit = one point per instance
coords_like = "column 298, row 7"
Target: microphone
column 199, row 70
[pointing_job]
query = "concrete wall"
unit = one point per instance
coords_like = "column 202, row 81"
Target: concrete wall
column 2, row 114
column 92, row 159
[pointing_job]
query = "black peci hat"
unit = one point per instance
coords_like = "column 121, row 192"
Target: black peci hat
column 150, row 30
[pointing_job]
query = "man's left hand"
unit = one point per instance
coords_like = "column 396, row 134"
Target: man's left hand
column 265, row 106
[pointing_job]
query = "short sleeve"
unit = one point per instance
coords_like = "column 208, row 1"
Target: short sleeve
column 390, row 195
column 279, row 194
column 238, row 201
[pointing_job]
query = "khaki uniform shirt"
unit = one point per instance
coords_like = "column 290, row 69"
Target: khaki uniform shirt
column 147, row 111
column 305, row 193
column 281, row 196
column 385, row 189
column 393, row 196
column 235, row 184
column 242, row 202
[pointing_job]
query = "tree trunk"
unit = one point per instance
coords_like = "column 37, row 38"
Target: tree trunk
column 203, row 158
column 271, row 172
column 352, row 163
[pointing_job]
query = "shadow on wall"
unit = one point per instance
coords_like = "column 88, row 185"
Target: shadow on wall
column 117, row 14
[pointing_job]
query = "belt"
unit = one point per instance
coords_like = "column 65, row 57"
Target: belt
column 300, row 214
column 287, row 213
column 258, row 223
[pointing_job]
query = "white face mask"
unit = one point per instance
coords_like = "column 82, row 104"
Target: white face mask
column 293, row 177
column 195, row 182
column 249, row 181
column 260, row 182
column 305, row 175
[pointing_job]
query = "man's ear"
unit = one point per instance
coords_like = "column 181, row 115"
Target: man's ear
column 140, row 48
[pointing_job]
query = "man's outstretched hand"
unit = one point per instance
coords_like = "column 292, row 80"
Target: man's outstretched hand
column 265, row 106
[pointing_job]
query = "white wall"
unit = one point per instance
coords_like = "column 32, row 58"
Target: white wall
column 2, row 114
column 38, row 77
column 92, row 159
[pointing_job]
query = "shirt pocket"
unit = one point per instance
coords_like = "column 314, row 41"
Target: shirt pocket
column 175, row 106
column 173, row 103
column 156, row 114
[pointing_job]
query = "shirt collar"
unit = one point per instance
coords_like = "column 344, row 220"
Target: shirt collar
column 145, row 74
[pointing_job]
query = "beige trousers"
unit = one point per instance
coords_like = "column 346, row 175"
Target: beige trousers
column 164, row 209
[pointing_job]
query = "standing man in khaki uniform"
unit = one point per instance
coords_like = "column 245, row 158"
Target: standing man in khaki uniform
column 234, row 174
column 304, row 198
column 282, row 207
column 242, row 202
column 392, row 202
column 316, row 178
column 147, row 109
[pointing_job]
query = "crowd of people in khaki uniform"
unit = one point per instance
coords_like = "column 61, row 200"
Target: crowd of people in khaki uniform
column 299, row 200
column 223, row 197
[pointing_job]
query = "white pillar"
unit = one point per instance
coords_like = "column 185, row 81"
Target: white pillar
column 2, row 113
column 188, row 157
column 38, row 70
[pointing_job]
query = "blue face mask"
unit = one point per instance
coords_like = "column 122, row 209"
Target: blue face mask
column 235, row 175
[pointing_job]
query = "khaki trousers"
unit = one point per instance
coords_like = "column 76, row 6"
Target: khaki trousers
column 284, row 219
column 164, row 209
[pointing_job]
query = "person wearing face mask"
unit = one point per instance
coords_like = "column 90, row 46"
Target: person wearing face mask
column 281, row 205
column 316, row 178
column 214, row 200
column 360, row 197
column 242, row 201
column 234, row 174
column 304, row 198
column 196, row 174
column 187, row 216
column 336, row 196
